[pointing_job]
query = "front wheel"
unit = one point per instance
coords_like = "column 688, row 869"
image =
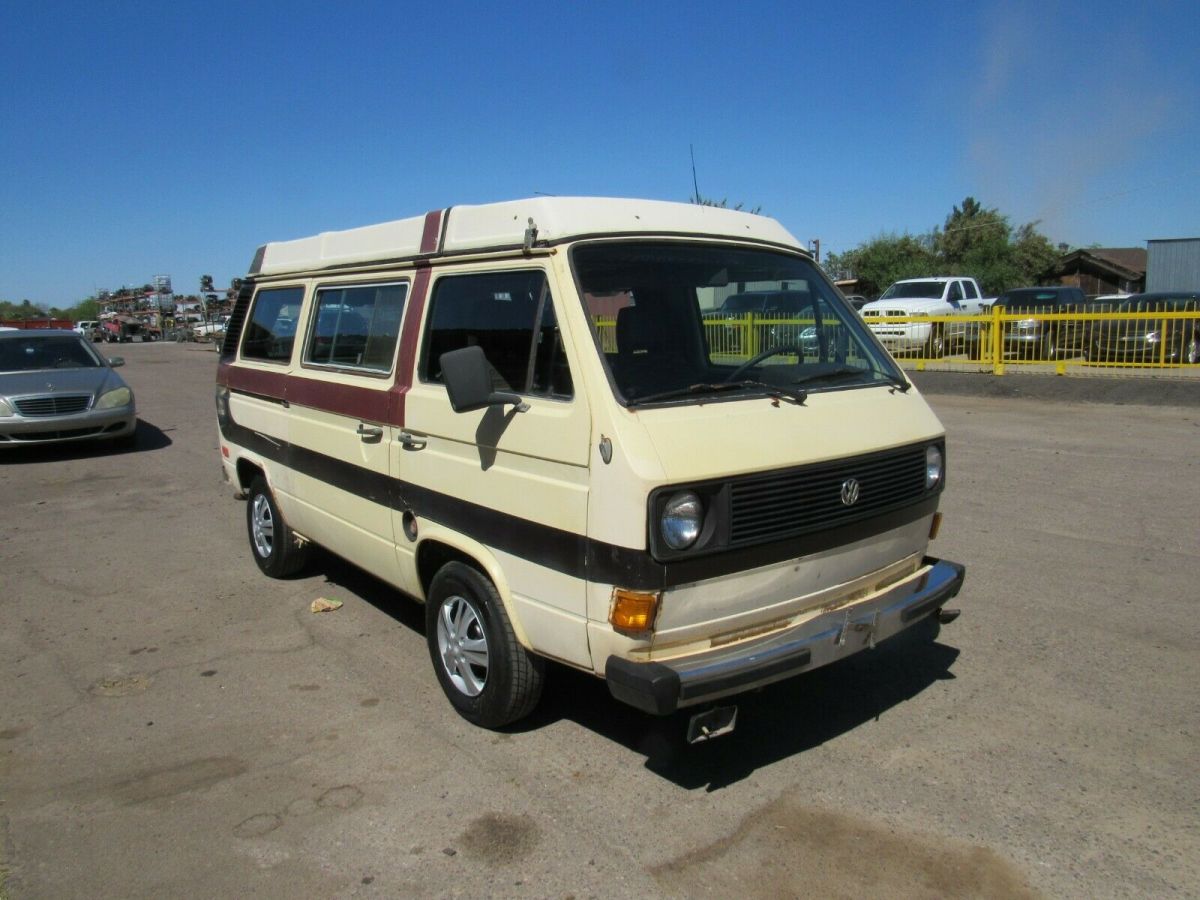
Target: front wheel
column 272, row 543
column 488, row 677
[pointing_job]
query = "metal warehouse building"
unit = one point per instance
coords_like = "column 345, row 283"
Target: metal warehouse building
column 1173, row 265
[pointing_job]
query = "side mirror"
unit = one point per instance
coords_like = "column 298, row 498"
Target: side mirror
column 116, row 361
column 468, row 379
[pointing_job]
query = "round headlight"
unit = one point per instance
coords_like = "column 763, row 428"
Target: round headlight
column 933, row 467
column 681, row 520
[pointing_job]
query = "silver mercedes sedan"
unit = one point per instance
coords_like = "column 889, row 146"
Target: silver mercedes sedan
column 54, row 387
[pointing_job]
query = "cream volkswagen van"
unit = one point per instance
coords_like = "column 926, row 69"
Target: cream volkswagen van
column 547, row 421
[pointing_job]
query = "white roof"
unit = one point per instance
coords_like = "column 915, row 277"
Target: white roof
column 503, row 225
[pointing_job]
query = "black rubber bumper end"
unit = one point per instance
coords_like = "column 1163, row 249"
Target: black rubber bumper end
column 947, row 593
column 650, row 687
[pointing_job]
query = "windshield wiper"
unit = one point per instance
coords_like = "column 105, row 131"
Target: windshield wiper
column 844, row 371
column 773, row 391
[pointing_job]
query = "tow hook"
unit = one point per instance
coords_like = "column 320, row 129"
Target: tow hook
column 711, row 723
column 946, row 616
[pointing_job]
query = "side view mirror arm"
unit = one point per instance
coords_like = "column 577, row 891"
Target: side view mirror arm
column 503, row 398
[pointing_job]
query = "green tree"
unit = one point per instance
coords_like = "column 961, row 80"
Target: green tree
column 974, row 240
column 23, row 310
column 88, row 309
column 885, row 259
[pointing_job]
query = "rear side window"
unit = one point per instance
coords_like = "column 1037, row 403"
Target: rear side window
column 271, row 330
column 356, row 326
column 511, row 316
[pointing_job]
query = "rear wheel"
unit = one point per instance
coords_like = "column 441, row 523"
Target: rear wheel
column 272, row 543
column 488, row 677
column 1050, row 346
column 935, row 347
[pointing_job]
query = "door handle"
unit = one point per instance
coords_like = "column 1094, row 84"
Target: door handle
column 370, row 433
column 410, row 441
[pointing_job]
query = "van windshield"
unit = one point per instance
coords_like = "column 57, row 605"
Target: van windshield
column 692, row 323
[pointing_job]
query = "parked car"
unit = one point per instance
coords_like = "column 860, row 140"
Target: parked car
column 788, row 313
column 214, row 330
column 55, row 387
column 939, row 295
column 87, row 328
column 1145, row 338
column 1038, row 338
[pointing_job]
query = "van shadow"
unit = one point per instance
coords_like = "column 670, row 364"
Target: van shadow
column 147, row 437
column 774, row 723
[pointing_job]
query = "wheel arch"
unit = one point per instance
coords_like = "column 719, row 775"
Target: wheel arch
column 442, row 546
column 247, row 470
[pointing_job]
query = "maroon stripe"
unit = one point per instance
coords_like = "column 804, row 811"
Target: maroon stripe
column 431, row 237
column 340, row 399
column 254, row 381
column 408, row 342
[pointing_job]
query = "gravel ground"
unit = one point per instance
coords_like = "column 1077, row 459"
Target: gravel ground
column 173, row 724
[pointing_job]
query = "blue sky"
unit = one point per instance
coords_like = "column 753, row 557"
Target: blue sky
column 139, row 139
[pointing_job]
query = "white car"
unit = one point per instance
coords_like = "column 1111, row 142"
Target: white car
column 939, row 295
column 211, row 330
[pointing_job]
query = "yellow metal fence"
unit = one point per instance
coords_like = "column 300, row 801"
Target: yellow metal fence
column 1159, row 342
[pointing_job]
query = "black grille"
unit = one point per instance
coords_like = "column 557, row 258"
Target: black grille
column 53, row 404
column 784, row 504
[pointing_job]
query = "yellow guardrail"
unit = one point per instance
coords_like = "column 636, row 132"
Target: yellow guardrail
column 1153, row 341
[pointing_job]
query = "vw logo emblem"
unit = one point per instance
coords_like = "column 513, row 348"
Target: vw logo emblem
column 849, row 491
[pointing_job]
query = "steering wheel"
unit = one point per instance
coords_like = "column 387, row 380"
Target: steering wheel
column 766, row 354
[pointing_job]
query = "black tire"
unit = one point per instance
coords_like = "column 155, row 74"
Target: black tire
column 272, row 543
column 1050, row 346
column 488, row 677
column 935, row 346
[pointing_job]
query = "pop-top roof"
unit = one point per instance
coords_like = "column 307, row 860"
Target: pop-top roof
column 497, row 226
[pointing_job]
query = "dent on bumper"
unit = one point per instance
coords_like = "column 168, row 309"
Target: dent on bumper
column 662, row 687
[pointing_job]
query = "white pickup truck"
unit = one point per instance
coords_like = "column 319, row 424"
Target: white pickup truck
column 939, row 295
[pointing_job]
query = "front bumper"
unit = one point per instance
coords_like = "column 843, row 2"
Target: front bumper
column 660, row 688
column 83, row 426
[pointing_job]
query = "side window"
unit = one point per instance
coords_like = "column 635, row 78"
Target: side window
column 356, row 326
column 511, row 316
column 970, row 291
column 954, row 297
column 271, row 330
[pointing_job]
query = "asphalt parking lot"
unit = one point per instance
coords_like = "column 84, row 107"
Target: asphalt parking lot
column 172, row 723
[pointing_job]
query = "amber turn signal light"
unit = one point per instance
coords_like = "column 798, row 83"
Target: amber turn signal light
column 935, row 525
column 633, row 612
